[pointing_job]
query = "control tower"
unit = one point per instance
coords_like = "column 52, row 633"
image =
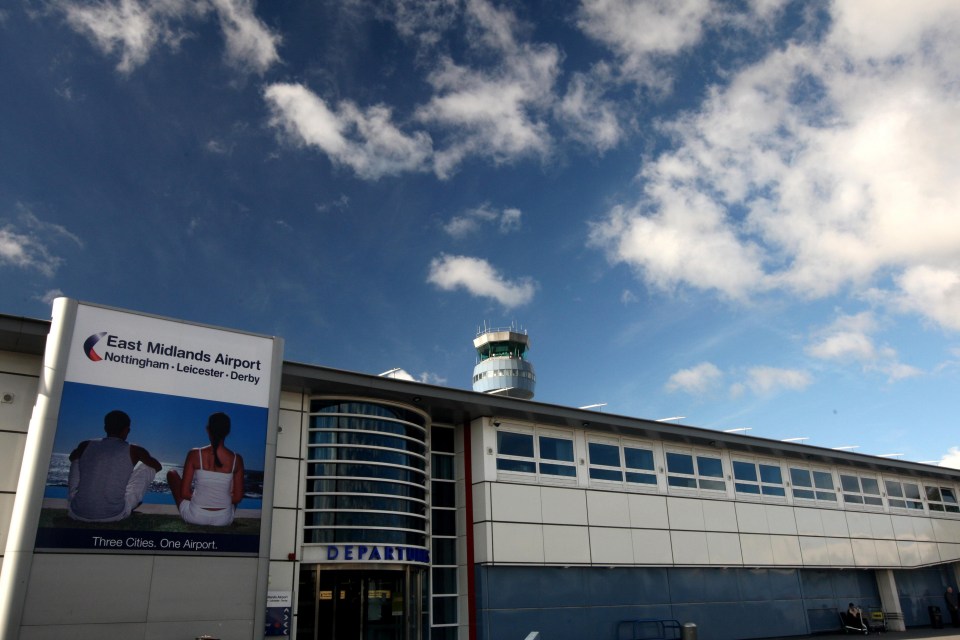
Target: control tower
column 502, row 367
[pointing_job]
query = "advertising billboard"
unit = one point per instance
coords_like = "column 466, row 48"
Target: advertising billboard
column 160, row 444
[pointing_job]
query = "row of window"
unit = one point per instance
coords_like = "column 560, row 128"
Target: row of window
column 550, row 454
column 496, row 373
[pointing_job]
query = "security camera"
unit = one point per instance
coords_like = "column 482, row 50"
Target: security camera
column 6, row 398
column 496, row 423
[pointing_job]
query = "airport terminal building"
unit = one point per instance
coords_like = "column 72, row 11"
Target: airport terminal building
column 394, row 510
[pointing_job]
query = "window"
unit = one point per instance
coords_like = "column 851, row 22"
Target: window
column 639, row 463
column 512, row 445
column 863, row 490
column 758, row 478
column 605, row 461
column 695, row 471
column 559, row 451
column 543, row 453
column 903, row 495
column 812, row 485
column 942, row 499
column 443, row 501
column 609, row 461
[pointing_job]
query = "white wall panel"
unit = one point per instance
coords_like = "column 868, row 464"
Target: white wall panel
column 515, row 502
column 202, row 588
column 752, row 518
column 949, row 552
column 648, row 512
column 611, row 546
column 15, row 416
column 85, row 632
column 786, row 551
column 719, row 515
column 11, row 456
column 566, row 545
column 289, row 436
column 909, row 553
column 685, row 513
column 69, row 588
column 483, row 542
column 881, row 525
column 923, row 530
column 865, row 552
column 808, row 522
column 814, row 551
column 286, row 485
column 888, row 555
column 689, row 547
column 6, row 511
column 944, row 530
column 834, row 523
column 724, row 548
column 858, row 524
column 291, row 400
column 283, row 538
column 652, row 546
column 223, row 629
column 608, row 509
column 563, row 506
column 282, row 576
column 781, row 519
column 903, row 527
column 517, row 542
column 929, row 553
column 756, row 549
column 481, row 502
column 840, row 552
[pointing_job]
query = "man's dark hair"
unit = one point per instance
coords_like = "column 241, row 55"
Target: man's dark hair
column 115, row 422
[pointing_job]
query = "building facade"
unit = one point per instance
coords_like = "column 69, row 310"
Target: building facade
column 402, row 510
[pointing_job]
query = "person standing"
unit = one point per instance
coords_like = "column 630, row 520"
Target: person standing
column 953, row 605
column 109, row 476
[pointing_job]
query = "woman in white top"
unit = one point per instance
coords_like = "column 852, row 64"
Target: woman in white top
column 212, row 482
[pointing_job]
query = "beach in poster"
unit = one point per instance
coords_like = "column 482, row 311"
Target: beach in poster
column 168, row 377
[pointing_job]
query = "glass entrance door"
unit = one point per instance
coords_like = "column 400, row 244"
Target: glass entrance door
column 360, row 605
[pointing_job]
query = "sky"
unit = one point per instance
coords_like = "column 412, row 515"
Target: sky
column 741, row 213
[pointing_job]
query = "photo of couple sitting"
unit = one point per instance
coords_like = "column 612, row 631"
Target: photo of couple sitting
column 109, row 477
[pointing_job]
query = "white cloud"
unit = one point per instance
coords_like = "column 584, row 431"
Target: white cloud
column 628, row 297
column 366, row 141
column 249, row 42
column 132, row 29
column 494, row 112
column 766, row 380
column 480, row 279
column 848, row 339
column 951, row 458
column 697, row 380
column 470, row 221
column 825, row 168
column 638, row 32
column 51, row 295
column 26, row 245
column 590, row 119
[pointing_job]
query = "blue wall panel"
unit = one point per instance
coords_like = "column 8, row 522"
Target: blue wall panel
column 726, row 604
column 920, row 589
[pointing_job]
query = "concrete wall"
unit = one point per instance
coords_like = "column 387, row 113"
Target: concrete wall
column 577, row 521
column 19, row 375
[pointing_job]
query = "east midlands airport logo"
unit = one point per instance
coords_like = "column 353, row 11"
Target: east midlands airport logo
column 223, row 365
column 90, row 343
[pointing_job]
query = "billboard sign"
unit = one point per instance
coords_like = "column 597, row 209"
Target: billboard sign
column 161, row 437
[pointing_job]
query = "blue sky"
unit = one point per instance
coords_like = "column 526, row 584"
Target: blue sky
column 743, row 213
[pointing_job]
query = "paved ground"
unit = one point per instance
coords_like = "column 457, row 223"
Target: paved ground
column 909, row 634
